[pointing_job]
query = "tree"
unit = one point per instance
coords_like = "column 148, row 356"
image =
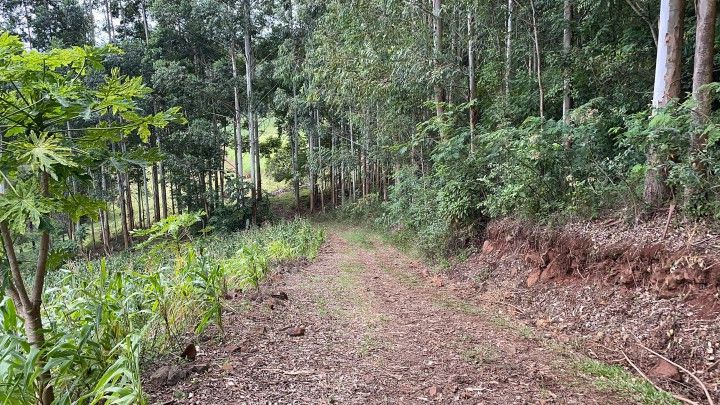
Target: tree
column 47, row 92
column 668, row 69
column 703, row 69
column 567, row 46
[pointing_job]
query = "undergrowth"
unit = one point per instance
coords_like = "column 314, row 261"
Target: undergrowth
column 106, row 317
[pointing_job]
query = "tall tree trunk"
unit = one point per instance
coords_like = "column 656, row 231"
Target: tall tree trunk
column 567, row 46
column 123, row 212
column 147, row 197
column 667, row 87
column 703, row 70
column 311, row 166
column 437, row 56
column 141, row 206
column 295, row 150
column 471, row 80
column 252, row 120
column 508, row 47
column 538, row 70
column 237, row 117
column 89, row 9
column 109, row 22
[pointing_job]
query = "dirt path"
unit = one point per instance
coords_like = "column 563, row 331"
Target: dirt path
column 379, row 330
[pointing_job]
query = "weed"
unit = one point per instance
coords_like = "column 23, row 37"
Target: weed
column 482, row 354
column 617, row 379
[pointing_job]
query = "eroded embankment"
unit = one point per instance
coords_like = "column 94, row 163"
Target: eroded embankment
column 612, row 288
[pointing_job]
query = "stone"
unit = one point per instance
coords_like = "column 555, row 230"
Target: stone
column 296, row 332
column 534, row 277
column 160, row 375
column 176, row 374
column 664, row 370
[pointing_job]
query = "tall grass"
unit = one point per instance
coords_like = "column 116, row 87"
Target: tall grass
column 104, row 318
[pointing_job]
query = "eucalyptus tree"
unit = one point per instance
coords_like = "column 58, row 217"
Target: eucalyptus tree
column 668, row 72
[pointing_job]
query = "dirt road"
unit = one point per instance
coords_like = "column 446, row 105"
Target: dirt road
column 380, row 328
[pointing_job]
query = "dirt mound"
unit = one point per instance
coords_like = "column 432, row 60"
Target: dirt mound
column 614, row 286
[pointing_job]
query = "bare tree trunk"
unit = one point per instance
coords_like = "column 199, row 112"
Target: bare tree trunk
column 538, row 70
column 508, row 47
column 311, row 168
column 141, row 217
column 706, row 13
column 667, row 87
column 236, row 121
column 437, row 55
column 471, row 80
column 109, row 22
column 567, row 46
column 123, row 212
column 147, row 197
column 252, row 120
column 295, row 150
column 703, row 69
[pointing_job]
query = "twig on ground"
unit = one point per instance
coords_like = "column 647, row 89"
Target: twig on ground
column 667, row 222
column 643, row 375
column 501, row 303
column 700, row 383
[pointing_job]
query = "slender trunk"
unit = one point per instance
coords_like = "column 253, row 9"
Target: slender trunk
column 667, row 87
column 146, row 27
column 141, row 212
column 471, row 81
column 333, row 170
column 311, row 168
column 237, row 117
column 508, row 47
column 163, row 183
column 355, row 160
column 252, row 120
column 123, row 212
column 567, row 46
column 437, row 56
column 147, row 197
column 109, row 22
column 90, row 15
column 538, row 71
column 703, row 69
column 702, row 75
column 295, row 150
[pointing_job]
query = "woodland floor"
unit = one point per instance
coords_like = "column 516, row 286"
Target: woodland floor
column 379, row 328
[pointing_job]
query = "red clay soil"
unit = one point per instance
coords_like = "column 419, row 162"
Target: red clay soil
column 366, row 324
column 613, row 287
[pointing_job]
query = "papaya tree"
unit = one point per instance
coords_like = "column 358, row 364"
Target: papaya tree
column 60, row 113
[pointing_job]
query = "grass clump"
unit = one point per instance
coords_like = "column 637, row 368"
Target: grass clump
column 617, row 379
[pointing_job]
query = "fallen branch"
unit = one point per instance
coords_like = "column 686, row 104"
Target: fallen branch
column 643, row 375
column 700, row 383
column 667, row 222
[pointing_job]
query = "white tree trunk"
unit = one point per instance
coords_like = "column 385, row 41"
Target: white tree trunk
column 669, row 53
column 508, row 47
column 667, row 86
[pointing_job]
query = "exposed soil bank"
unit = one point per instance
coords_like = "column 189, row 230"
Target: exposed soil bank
column 607, row 286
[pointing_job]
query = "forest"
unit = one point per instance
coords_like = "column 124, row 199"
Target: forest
column 359, row 201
